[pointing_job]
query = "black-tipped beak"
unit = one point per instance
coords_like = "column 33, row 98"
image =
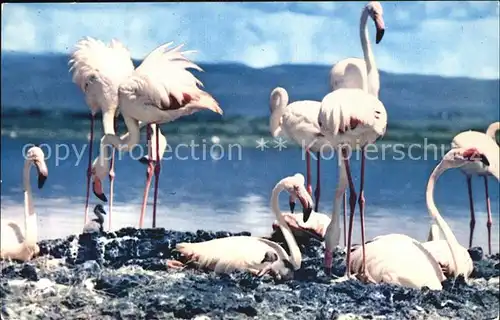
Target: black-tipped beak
column 41, row 180
column 380, row 35
column 484, row 160
column 292, row 206
column 97, row 189
column 306, row 213
column 144, row 160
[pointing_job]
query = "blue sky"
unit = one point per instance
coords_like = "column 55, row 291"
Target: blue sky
column 443, row 38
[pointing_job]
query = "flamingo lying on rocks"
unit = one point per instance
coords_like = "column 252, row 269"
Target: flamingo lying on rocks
column 484, row 142
column 14, row 244
column 160, row 90
column 95, row 225
column 399, row 259
column 257, row 255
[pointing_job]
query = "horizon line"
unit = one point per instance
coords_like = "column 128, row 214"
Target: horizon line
column 48, row 53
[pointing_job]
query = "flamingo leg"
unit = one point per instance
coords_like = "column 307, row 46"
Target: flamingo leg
column 317, row 192
column 308, row 172
column 488, row 209
column 361, row 202
column 345, row 218
column 149, row 176
column 471, row 206
column 156, row 172
column 112, row 177
column 352, row 207
column 89, row 168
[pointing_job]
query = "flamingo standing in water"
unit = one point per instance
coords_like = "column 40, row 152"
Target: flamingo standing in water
column 14, row 244
column 349, row 119
column 259, row 256
column 360, row 73
column 160, row 90
column 98, row 70
column 399, row 259
column 298, row 121
column 485, row 143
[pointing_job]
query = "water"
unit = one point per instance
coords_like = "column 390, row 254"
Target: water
column 41, row 105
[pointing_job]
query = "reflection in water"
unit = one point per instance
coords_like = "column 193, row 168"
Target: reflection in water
column 251, row 214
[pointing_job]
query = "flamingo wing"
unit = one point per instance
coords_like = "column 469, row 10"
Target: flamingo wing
column 98, row 69
column 228, row 254
column 398, row 259
column 440, row 251
column 164, row 81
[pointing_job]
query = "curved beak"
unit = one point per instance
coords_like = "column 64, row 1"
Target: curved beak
column 379, row 24
column 43, row 173
column 306, row 207
column 97, row 189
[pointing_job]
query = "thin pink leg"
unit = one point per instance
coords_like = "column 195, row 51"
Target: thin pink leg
column 112, row 179
column 157, row 173
column 352, row 206
column 488, row 209
column 149, row 176
column 308, row 172
column 89, row 168
column 471, row 206
column 345, row 218
column 317, row 192
column 361, row 202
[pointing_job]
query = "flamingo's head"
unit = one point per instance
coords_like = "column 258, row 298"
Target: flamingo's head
column 458, row 157
column 280, row 269
column 36, row 156
column 377, row 14
column 99, row 172
column 294, row 185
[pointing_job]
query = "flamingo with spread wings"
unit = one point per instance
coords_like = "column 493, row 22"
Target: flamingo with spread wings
column 160, row 90
column 14, row 244
column 484, row 142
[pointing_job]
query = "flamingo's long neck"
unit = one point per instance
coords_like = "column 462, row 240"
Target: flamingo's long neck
column 30, row 223
column 121, row 144
column 278, row 103
column 492, row 129
column 108, row 118
column 371, row 66
column 295, row 255
column 433, row 211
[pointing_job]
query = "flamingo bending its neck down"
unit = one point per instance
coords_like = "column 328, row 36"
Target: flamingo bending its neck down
column 257, row 255
column 98, row 69
column 399, row 259
column 14, row 244
column 361, row 73
column 299, row 122
column 350, row 119
column 485, row 143
column 160, row 90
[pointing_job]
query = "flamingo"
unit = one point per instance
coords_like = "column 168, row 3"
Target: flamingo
column 485, row 143
column 349, row 119
column 399, row 259
column 260, row 256
column 298, row 121
column 95, row 226
column 14, row 244
column 98, row 69
column 160, row 90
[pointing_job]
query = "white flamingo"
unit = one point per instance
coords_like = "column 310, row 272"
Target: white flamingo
column 349, row 119
column 98, row 70
column 160, row 90
column 298, row 121
column 485, row 143
column 14, row 244
column 360, row 73
column 257, row 255
column 399, row 259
